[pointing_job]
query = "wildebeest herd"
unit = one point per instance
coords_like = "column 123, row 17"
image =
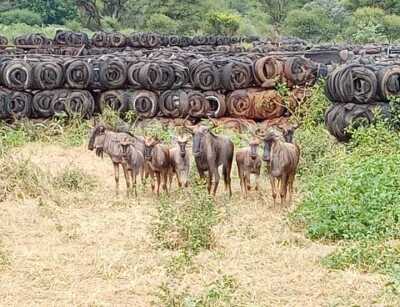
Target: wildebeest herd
column 150, row 158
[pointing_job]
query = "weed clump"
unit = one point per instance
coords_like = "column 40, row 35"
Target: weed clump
column 186, row 222
column 73, row 179
column 21, row 178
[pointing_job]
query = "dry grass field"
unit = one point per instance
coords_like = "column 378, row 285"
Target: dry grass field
column 80, row 245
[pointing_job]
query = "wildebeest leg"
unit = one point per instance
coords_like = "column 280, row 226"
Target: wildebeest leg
column 158, row 177
column 143, row 175
column 178, row 178
column 127, row 178
column 284, row 188
column 215, row 174
column 226, row 170
column 273, row 188
column 290, row 185
column 257, row 180
column 116, row 176
column 170, row 178
column 246, row 183
column 165, row 181
column 241, row 178
column 134, row 181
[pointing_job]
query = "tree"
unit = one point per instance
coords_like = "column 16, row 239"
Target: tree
column 51, row 11
column 113, row 8
column 277, row 9
column 391, row 26
column 90, row 11
column 367, row 25
column 309, row 24
column 223, row 23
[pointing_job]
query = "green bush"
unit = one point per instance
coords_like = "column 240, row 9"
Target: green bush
column 110, row 24
column 73, row 179
column 366, row 256
column 358, row 199
column 223, row 23
column 391, row 26
column 186, row 222
column 367, row 25
column 162, row 24
column 311, row 24
column 52, row 11
column 20, row 16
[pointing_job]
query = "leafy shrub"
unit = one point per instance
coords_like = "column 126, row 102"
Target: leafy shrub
column 219, row 293
column 21, row 178
column 223, row 23
column 110, row 24
column 161, row 23
column 391, row 27
column 358, row 199
column 309, row 24
column 366, row 256
column 73, row 179
column 73, row 25
column 186, row 222
column 17, row 29
column 367, row 25
column 20, row 16
column 52, row 12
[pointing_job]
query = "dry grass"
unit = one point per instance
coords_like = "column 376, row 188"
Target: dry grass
column 85, row 247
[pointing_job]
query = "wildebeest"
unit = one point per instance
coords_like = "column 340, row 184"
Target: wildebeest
column 248, row 162
column 282, row 158
column 158, row 163
column 180, row 162
column 134, row 160
column 211, row 151
column 105, row 140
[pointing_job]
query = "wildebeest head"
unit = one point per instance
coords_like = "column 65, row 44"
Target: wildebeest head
column 149, row 144
column 97, row 131
column 272, row 134
column 125, row 145
column 288, row 132
column 254, row 148
column 199, row 133
column 182, row 142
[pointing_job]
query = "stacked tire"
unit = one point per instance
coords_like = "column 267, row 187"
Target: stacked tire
column 359, row 92
column 172, row 84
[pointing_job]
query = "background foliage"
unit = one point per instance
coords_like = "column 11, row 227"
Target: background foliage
column 361, row 21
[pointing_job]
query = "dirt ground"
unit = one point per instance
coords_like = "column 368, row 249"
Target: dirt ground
column 94, row 249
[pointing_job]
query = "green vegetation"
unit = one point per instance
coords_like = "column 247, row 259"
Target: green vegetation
column 20, row 16
column 317, row 20
column 219, row 293
column 350, row 192
column 185, row 222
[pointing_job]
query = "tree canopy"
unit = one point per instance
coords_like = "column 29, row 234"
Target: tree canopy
column 317, row 20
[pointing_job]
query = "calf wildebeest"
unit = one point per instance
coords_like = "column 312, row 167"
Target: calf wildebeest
column 248, row 162
column 211, row 151
column 180, row 163
column 105, row 140
column 282, row 158
column 158, row 163
column 134, row 160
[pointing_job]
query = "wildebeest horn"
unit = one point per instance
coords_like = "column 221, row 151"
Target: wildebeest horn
column 186, row 126
column 134, row 123
column 213, row 122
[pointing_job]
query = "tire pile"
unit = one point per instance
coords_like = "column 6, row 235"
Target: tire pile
column 357, row 92
column 167, row 84
column 78, row 43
